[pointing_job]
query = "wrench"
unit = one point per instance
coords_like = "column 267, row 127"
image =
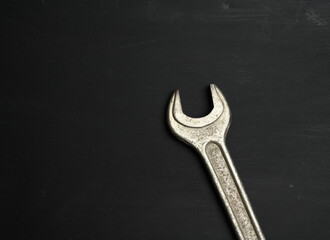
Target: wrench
column 207, row 135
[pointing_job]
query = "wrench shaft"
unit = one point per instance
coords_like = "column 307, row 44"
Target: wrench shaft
column 231, row 191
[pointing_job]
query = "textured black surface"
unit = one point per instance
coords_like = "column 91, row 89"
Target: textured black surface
column 86, row 152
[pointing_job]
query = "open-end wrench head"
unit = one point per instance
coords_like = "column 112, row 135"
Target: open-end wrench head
column 211, row 127
column 202, row 121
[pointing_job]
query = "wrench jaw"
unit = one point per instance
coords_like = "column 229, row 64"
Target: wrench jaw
column 197, row 132
column 216, row 112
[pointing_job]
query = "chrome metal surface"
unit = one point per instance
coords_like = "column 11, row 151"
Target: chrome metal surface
column 207, row 135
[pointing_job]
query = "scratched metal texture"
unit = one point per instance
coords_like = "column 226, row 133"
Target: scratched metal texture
column 85, row 150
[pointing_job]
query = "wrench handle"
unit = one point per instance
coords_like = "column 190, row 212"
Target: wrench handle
column 231, row 190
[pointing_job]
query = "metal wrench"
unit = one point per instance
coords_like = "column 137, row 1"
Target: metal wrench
column 207, row 135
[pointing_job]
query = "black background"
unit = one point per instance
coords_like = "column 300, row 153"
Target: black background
column 86, row 152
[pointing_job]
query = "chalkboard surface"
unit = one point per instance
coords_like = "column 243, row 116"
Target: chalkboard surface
column 86, row 150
